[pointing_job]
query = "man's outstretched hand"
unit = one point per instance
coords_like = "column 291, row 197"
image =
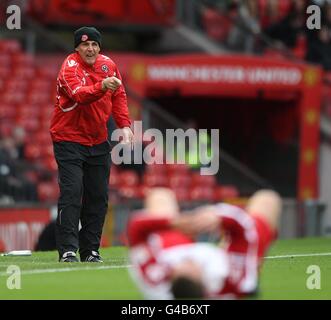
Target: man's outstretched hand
column 111, row 83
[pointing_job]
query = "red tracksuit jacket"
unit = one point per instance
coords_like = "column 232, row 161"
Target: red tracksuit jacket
column 82, row 108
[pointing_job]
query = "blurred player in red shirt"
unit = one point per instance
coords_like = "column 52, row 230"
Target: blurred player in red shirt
column 168, row 264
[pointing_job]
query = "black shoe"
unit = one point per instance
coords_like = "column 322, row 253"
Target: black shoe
column 69, row 256
column 93, row 257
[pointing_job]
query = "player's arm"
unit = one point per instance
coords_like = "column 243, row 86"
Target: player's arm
column 201, row 220
column 208, row 219
column 233, row 220
column 73, row 85
column 120, row 106
column 141, row 226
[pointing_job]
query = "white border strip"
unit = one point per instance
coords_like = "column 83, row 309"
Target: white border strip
column 39, row 271
column 299, row 255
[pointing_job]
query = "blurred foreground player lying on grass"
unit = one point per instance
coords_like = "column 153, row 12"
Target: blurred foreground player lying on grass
column 168, row 263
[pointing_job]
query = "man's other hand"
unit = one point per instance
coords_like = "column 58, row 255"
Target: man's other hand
column 127, row 135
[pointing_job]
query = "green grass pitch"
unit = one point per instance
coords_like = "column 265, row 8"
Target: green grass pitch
column 283, row 276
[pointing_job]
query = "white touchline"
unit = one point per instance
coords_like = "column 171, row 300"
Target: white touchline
column 54, row 270
column 299, row 255
column 39, row 271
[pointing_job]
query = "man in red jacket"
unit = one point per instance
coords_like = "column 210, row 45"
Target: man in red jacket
column 89, row 90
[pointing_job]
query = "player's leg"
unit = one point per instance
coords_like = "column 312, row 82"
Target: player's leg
column 267, row 205
column 94, row 204
column 161, row 201
column 70, row 171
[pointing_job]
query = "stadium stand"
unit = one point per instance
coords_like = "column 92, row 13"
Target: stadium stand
column 146, row 12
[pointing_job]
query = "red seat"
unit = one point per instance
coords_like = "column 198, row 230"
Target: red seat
column 114, row 169
column 48, row 71
column 179, row 180
column 15, row 85
column 46, row 112
column 114, row 180
column 203, row 180
column 155, row 180
column 32, row 151
column 13, row 97
column 38, row 97
column 5, row 59
column 44, row 124
column 29, row 124
column 216, row 25
column 130, row 192
column 42, row 84
column 4, row 71
column 47, row 150
column 182, row 194
column 3, row 248
column 202, row 193
column 273, row 54
column 225, row 192
column 48, row 191
column 10, row 46
column 177, row 169
column 129, row 178
column 28, row 111
column 31, row 176
column 300, row 49
column 23, row 59
column 23, row 72
column 7, row 112
column 156, row 168
column 6, row 128
column 284, row 8
column 41, row 137
column 50, row 163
